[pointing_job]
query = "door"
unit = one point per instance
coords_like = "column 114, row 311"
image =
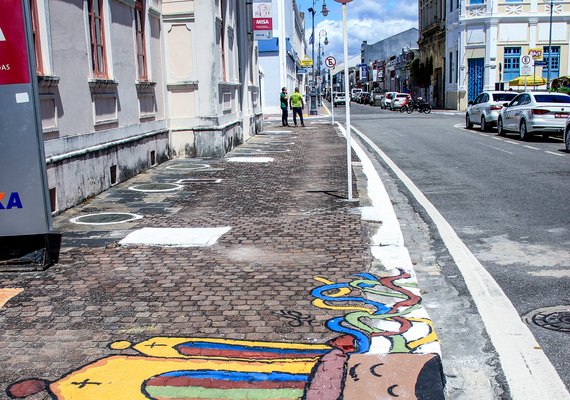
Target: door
column 475, row 77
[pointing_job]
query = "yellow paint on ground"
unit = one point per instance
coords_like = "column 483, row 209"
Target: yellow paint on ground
column 432, row 337
column 166, row 346
column 321, row 304
column 122, row 377
column 7, row 293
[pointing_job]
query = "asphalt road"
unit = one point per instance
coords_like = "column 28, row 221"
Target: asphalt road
column 507, row 200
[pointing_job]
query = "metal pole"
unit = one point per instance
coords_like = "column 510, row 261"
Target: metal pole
column 332, row 96
column 313, row 110
column 347, row 107
column 319, row 72
column 549, row 51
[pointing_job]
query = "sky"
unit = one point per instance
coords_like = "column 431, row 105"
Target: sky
column 370, row 20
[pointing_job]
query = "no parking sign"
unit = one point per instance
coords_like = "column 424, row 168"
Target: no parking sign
column 330, row 62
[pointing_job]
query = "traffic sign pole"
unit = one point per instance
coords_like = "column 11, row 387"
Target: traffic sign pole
column 330, row 62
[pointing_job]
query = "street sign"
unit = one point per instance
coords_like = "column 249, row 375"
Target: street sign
column 526, row 65
column 330, row 62
column 541, row 63
column 302, row 71
column 306, row 62
column 262, row 20
column 535, row 53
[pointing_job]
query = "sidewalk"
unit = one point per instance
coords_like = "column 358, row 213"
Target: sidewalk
column 247, row 277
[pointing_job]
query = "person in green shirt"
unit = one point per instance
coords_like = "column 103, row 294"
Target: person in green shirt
column 297, row 104
column 284, row 107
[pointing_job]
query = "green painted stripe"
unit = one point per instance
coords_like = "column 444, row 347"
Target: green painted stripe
column 172, row 392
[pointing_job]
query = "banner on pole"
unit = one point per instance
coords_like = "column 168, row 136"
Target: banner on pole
column 262, row 20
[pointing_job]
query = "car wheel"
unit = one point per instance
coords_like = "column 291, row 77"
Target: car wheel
column 484, row 126
column 500, row 128
column 468, row 123
column 567, row 140
column 523, row 132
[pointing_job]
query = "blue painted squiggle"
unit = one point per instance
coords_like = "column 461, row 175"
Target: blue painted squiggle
column 319, row 294
column 362, row 341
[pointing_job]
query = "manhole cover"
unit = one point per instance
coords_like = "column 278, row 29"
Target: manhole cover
column 188, row 167
column 105, row 218
column 554, row 318
column 156, row 187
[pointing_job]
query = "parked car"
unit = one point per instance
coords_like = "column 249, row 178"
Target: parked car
column 534, row 112
column 354, row 92
column 387, row 100
column 485, row 109
column 399, row 100
column 567, row 135
column 376, row 98
column 339, row 98
column 363, row 98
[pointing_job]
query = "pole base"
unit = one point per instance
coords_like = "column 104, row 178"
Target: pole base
column 26, row 253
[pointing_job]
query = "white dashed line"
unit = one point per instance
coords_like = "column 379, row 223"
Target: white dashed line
column 530, row 147
column 496, row 148
column 554, row 154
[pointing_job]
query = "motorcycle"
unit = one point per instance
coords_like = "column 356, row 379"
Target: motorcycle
column 420, row 105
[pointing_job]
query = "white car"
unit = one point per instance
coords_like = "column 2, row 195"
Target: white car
column 387, row 100
column 533, row 112
column 338, row 98
column 484, row 110
column 399, row 100
column 567, row 135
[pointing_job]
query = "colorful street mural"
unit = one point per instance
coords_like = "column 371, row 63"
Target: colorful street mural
column 384, row 351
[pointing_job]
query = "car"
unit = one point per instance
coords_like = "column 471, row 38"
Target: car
column 376, row 98
column 387, row 100
column 534, row 112
column 567, row 135
column 353, row 92
column 484, row 110
column 363, row 97
column 399, row 100
column 339, row 98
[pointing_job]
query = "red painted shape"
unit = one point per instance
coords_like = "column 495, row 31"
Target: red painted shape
column 191, row 351
column 328, row 377
column 2, row 194
column 222, row 384
column 26, row 388
column 14, row 66
column 344, row 343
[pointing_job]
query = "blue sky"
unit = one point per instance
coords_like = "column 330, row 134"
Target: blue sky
column 371, row 20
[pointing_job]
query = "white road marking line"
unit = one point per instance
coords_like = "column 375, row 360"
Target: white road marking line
column 554, row 154
column 497, row 138
column 512, row 142
column 529, row 372
column 530, row 147
column 495, row 148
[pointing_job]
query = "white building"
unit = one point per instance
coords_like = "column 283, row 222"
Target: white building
column 485, row 40
column 126, row 84
column 280, row 57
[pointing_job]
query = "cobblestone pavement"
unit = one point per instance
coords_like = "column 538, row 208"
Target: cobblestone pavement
column 283, row 301
column 288, row 222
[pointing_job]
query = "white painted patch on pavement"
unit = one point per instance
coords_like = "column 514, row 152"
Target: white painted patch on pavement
column 529, row 373
column 250, row 159
column 175, row 237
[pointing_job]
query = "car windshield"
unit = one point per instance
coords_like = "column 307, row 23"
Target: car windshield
column 552, row 98
column 402, row 95
column 504, row 97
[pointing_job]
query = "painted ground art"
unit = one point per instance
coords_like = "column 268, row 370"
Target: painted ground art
column 385, row 349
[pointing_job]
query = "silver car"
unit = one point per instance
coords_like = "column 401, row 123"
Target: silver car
column 484, row 110
column 567, row 135
column 533, row 112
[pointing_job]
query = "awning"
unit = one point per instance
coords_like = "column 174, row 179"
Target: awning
column 530, row 81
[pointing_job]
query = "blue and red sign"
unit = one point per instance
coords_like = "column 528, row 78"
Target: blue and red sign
column 8, row 202
column 14, row 66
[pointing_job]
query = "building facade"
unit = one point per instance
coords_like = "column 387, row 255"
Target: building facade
column 432, row 23
column 127, row 84
column 486, row 39
column 280, row 57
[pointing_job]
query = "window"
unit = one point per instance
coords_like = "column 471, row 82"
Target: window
column 36, row 36
column 140, row 38
column 511, row 63
column 555, row 62
column 477, row 2
column 96, row 30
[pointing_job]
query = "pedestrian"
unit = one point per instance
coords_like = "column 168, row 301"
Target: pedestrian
column 284, row 107
column 297, row 104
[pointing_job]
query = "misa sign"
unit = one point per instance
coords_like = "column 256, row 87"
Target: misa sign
column 262, row 19
column 14, row 67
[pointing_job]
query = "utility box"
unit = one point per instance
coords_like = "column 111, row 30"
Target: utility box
column 25, row 211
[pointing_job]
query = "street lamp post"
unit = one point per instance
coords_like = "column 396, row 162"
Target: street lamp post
column 325, row 12
column 319, row 91
column 347, row 106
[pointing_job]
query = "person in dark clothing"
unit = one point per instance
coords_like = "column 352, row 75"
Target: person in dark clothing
column 284, row 107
